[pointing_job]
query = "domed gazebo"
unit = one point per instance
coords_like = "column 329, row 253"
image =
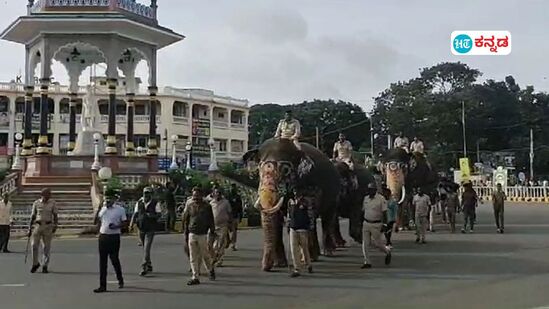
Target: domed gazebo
column 80, row 33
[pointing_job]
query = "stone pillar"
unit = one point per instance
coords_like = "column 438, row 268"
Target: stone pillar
column 27, row 141
column 111, row 134
column 72, row 121
column 153, row 146
column 43, row 137
column 130, row 147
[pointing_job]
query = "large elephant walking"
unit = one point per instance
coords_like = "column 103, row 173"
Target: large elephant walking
column 405, row 172
column 283, row 167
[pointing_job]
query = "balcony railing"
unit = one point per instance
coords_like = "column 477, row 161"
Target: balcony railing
column 220, row 124
column 130, row 6
column 119, row 118
column 180, row 120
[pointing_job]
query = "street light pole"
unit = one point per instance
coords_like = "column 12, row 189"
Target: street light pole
column 174, row 165
column 372, row 135
column 531, row 154
column 188, row 148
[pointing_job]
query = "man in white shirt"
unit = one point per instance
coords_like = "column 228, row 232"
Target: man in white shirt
column 5, row 223
column 422, row 203
column 113, row 219
column 146, row 213
column 289, row 128
column 222, row 214
column 401, row 141
column 417, row 146
column 374, row 213
column 343, row 151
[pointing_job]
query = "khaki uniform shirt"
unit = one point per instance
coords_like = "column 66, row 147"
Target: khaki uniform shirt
column 222, row 212
column 344, row 150
column 422, row 204
column 44, row 211
column 417, row 147
column 288, row 129
column 401, row 142
column 5, row 213
column 374, row 207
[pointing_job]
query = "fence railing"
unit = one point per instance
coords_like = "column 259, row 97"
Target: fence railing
column 527, row 194
column 9, row 184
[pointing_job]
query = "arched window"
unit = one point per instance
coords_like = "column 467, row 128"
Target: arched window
column 179, row 109
column 4, row 104
column 20, row 105
column 64, row 106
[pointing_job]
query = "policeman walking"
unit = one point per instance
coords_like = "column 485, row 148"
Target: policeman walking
column 43, row 224
column 146, row 213
column 498, row 199
column 113, row 219
column 374, row 213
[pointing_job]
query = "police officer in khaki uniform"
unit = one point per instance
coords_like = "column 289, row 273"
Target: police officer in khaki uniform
column 43, row 224
column 289, row 128
column 374, row 213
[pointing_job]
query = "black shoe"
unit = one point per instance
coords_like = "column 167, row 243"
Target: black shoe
column 149, row 269
column 143, row 273
column 417, row 240
column 6, row 251
column 121, row 284
column 295, row 274
column 388, row 257
column 366, row 266
column 310, row 269
column 462, row 231
column 100, row 290
column 35, row 268
column 212, row 275
column 45, row 270
column 502, row 231
column 193, row 282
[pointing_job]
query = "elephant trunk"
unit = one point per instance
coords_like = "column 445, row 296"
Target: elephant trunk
column 395, row 183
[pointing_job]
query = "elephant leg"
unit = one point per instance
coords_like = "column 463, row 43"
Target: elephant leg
column 281, row 260
column 314, row 248
column 338, row 238
column 328, row 222
column 269, row 241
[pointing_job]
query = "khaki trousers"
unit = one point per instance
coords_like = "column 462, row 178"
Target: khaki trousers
column 44, row 233
column 219, row 243
column 421, row 227
column 299, row 244
column 199, row 254
column 372, row 231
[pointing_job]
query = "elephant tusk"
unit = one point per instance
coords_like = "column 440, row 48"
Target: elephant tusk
column 274, row 209
column 403, row 195
column 257, row 205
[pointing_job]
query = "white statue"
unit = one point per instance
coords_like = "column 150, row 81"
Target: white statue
column 90, row 111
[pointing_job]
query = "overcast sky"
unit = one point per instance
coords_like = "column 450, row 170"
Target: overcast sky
column 287, row 51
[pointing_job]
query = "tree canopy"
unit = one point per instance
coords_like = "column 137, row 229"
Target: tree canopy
column 498, row 117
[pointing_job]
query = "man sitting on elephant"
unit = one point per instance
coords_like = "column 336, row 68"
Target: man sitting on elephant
column 343, row 152
column 289, row 128
column 402, row 142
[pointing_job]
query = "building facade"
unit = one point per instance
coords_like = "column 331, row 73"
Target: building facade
column 194, row 115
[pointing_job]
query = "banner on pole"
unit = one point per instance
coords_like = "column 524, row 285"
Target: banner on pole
column 465, row 169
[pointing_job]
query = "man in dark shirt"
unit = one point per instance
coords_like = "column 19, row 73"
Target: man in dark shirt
column 469, row 201
column 236, row 207
column 498, row 199
column 198, row 220
column 301, row 222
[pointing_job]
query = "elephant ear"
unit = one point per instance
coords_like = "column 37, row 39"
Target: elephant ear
column 252, row 155
column 412, row 163
column 305, row 166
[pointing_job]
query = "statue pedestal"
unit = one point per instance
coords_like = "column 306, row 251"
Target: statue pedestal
column 85, row 144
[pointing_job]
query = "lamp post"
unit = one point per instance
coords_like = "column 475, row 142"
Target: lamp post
column 188, row 149
column 96, row 164
column 140, row 151
column 17, row 158
column 104, row 173
column 174, row 165
column 213, row 164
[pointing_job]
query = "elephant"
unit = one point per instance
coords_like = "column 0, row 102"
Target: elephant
column 351, row 198
column 405, row 172
column 283, row 168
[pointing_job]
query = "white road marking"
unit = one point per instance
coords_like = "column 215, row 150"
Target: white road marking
column 12, row 285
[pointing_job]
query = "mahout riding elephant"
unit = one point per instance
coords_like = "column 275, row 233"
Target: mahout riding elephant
column 351, row 199
column 283, row 168
column 403, row 173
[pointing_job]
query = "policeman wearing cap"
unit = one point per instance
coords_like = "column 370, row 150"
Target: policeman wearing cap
column 146, row 213
column 113, row 218
column 374, row 213
column 289, row 128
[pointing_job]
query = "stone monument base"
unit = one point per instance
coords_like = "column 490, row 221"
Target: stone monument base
column 85, row 144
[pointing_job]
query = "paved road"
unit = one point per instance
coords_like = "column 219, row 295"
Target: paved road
column 481, row 270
